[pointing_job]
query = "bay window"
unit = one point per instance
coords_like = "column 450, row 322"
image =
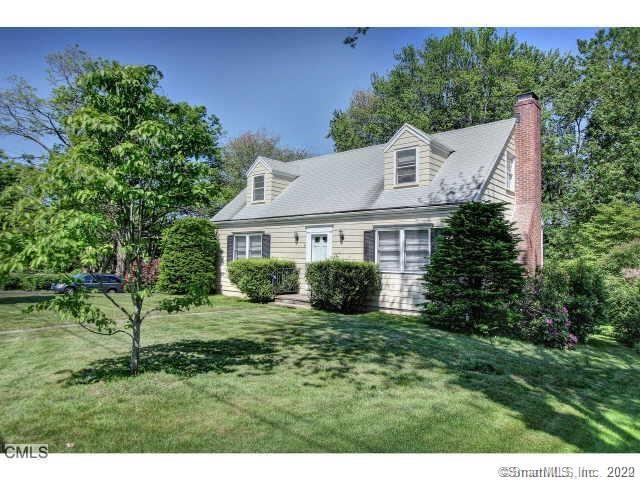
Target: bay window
column 403, row 250
column 247, row 246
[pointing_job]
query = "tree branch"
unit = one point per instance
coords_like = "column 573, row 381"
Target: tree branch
column 105, row 333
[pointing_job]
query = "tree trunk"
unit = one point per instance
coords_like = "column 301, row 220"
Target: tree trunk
column 120, row 259
column 135, row 348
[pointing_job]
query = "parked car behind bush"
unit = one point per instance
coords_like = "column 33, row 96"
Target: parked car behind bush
column 189, row 256
column 341, row 285
column 624, row 310
column 255, row 277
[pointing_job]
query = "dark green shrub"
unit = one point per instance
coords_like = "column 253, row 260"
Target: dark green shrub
column 340, row 285
column 586, row 298
column 624, row 310
column 31, row 281
column 254, row 277
column 189, row 257
column 474, row 278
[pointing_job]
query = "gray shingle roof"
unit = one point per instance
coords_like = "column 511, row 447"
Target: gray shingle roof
column 353, row 180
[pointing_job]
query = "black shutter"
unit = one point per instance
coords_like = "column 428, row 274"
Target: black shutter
column 369, row 254
column 230, row 249
column 266, row 245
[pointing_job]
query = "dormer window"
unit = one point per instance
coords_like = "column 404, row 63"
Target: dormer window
column 406, row 166
column 511, row 172
column 258, row 188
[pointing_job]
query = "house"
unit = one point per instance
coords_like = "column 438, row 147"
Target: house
column 385, row 203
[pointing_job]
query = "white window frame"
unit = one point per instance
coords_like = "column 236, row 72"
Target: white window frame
column 402, row 247
column 319, row 230
column 395, row 167
column 511, row 161
column 247, row 243
column 264, row 188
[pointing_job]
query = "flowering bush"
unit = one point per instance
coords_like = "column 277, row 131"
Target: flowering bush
column 150, row 271
column 544, row 317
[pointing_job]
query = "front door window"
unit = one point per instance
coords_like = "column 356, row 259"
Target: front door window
column 318, row 247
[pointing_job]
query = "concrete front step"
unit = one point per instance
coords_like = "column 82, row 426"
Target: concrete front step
column 293, row 300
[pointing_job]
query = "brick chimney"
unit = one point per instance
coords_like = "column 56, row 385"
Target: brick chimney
column 528, row 213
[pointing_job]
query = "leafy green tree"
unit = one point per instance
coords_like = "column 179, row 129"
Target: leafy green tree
column 189, row 256
column 474, row 278
column 135, row 160
column 467, row 77
column 612, row 225
column 240, row 153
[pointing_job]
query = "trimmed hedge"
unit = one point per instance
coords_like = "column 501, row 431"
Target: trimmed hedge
column 189, row 256
column 340, row 285
column 253, row 276
column 31, row 281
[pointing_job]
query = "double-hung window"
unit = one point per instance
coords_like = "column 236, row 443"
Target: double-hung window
column 258, row 188
column 511, row 172
column 406, row 166
column 404, row 250
column 247, row 246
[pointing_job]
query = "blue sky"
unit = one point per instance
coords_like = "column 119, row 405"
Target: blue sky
column 287, row 81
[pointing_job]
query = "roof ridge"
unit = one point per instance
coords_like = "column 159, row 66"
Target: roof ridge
column 335, row 153
column 474, row 126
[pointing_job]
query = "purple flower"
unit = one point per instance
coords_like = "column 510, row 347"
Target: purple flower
column 549, row 321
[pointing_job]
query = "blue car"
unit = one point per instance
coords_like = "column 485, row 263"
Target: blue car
column 105, row 282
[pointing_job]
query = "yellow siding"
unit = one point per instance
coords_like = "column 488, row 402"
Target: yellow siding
column 278, row 184
column 399, row 291
column 429, row 159
column 496, row 190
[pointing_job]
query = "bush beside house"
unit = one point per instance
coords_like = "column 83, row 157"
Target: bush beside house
column 474, row 279
column 189, row 256
column 255, row 277
column 340, row 285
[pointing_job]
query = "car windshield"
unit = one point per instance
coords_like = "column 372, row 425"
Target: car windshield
column 82, row 277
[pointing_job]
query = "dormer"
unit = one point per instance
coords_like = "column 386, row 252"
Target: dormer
column 267, row 178
column 412, row 158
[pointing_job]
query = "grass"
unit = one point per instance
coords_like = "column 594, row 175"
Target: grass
column 256, row 378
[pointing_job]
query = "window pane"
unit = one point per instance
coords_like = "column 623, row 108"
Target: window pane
column 389, row 250
column 436, row 235
column 240, row 246
column 258, row 187
column 255, row 246
column 416, row 249
column 406, row 166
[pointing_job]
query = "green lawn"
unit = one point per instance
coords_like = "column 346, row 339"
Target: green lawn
column 258, row 378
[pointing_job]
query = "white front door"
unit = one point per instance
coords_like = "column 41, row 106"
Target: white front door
column 319, row 247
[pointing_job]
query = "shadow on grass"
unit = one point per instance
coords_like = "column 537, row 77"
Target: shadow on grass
column 19, row 299
column 534, row 383
column 377, row 351
column 186, row 358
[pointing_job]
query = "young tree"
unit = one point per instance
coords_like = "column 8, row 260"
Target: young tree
column 474, row 278
column 135, row 160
